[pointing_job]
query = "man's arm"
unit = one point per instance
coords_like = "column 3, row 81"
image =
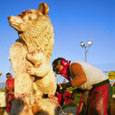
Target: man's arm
column 79, row 75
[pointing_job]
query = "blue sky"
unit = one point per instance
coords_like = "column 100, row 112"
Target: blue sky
column 73, row 21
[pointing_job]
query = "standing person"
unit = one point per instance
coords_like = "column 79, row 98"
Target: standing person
column 90, row 78
column 9, row 91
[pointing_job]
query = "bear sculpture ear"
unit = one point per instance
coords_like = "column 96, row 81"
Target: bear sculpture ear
column 43, row 8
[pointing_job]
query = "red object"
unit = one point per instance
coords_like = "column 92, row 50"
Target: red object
column 67, row 95
column 8, row 109
column 98, row 100
column 80, row 104
column 64, row 62
column 10, row 84
column 59, row 95
column 64, row 71
column 9, row 95
column 10, row 98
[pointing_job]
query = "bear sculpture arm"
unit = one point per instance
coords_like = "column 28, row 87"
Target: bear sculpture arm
column 41, row 66
column 40, row 71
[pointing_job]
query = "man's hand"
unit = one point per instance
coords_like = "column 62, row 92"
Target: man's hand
column 66, row 85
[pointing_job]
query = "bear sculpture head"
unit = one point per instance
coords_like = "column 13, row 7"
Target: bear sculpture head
column 35, row 29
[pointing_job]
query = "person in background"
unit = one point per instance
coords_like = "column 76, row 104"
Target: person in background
column 89, row 78
column 9, row 91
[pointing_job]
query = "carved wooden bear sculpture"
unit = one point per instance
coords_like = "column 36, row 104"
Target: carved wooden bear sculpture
column 35, row 35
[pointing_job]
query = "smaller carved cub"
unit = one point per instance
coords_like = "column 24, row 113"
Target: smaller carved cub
column 43, row 73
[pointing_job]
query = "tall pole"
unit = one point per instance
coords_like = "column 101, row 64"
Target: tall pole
column 86, row 46
column 85, row 54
